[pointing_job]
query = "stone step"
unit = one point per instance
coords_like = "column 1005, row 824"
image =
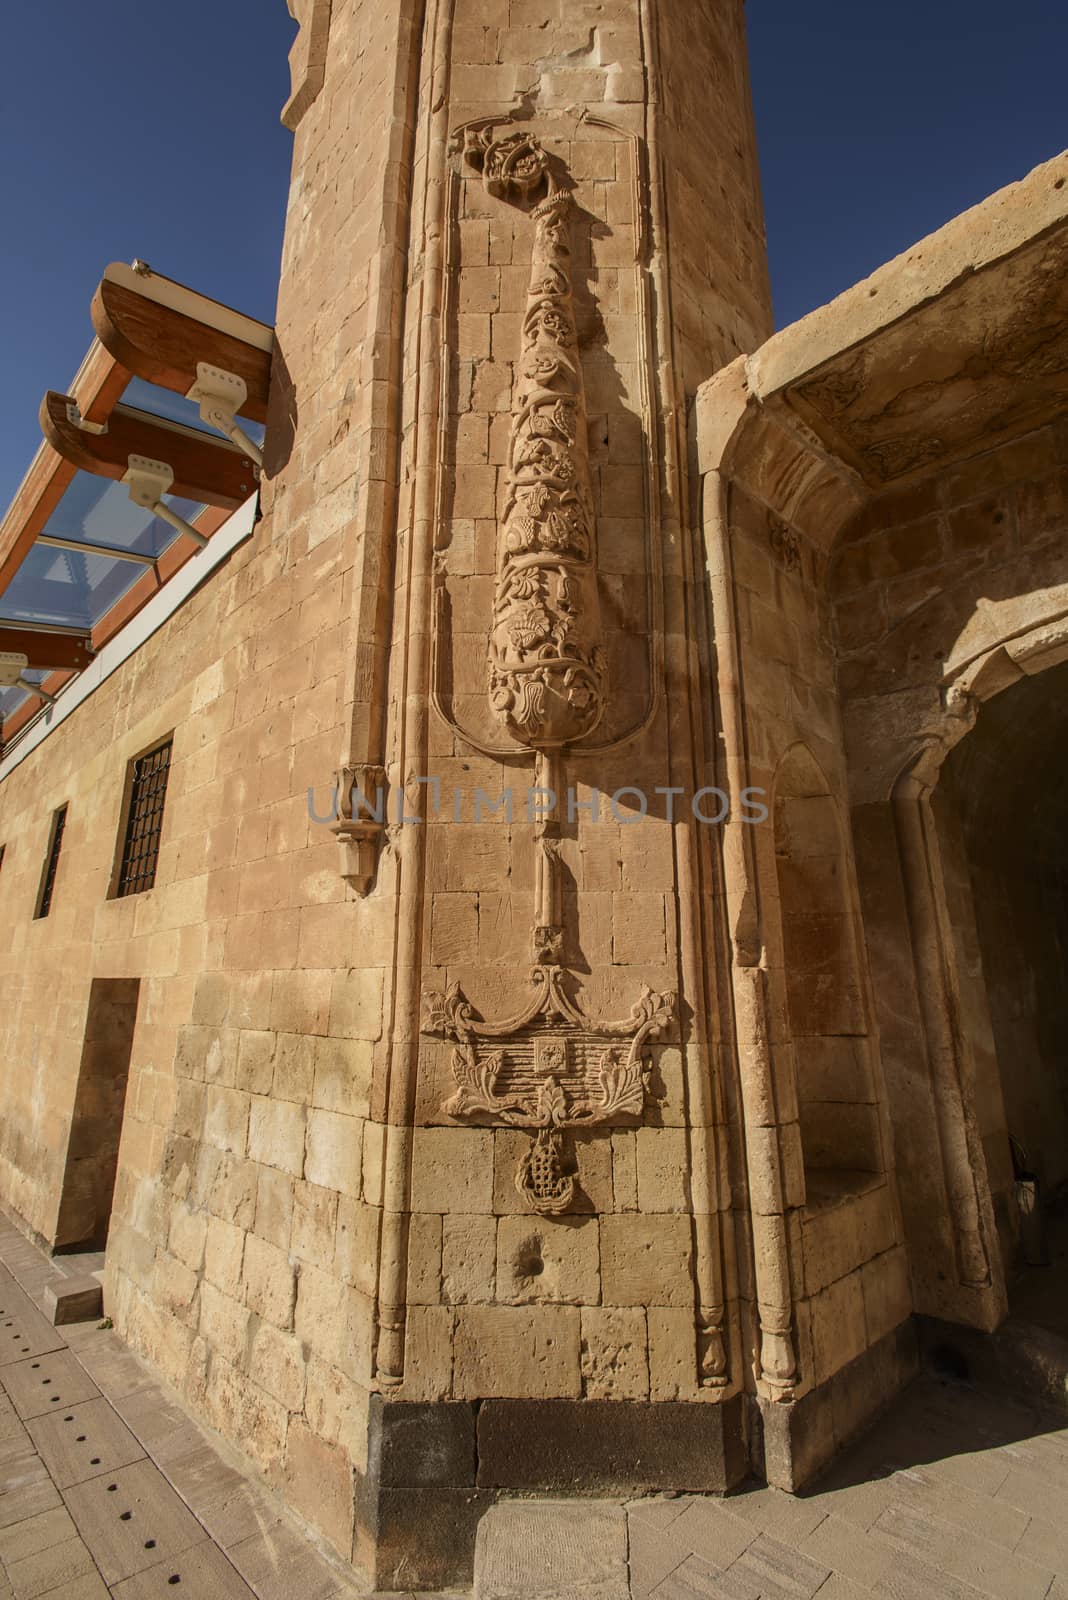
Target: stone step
column 552, row 1550
column 1021, row 1358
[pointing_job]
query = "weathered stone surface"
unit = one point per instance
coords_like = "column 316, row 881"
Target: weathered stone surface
column 610, row 1446
column 74, row 1300
column 558, row 1550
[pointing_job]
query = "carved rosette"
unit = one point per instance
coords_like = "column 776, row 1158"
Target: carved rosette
column 547, row 1069
column 546, row 660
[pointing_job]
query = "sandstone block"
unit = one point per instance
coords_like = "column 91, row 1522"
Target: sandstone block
column 615, row 1363
column 224, row 1248
column 270, row 1283
column 318, row 1480
column 663, row 1169
column 468, row 1258
column 424, row 1259
column 314, row 1228
column 276, row 1135
column 277, row 1365
column 428, row 1353
column 356, row 1243
column 223, row 1323
column 274, row 1207
column 334, row 1151
column 343, row 1075
column 646, row 1261
column 548, row 1259
column 529, row 1352
column 452, row 1170
column 226, row 1117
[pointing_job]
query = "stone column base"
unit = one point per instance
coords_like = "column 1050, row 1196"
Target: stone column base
column 794, row 1441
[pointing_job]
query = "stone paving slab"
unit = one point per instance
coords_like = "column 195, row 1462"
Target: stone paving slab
column 203, row 1573
column 556, row 1549
column 83, row 1442
column 131, row 1519
column 176, row 1500
column 40, row 1386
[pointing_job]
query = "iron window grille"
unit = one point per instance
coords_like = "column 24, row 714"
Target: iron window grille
column 144, row 821
column 55, row 844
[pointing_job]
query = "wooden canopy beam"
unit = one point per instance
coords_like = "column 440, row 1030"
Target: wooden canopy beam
column 160, row 330
column 96, row 387
column 205, row 468
column 47, row 651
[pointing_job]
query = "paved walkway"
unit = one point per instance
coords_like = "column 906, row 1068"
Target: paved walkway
column 955, row 1494
column 107, row 1487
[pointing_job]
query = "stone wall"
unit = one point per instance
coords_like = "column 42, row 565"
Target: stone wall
column 920, row 580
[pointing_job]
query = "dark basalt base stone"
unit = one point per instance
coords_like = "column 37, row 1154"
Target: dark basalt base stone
column 435, row 1469
column 611, row 1446
column 793, row 1442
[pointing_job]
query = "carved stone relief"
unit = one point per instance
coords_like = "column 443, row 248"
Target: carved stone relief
column 546, row 667
column 548, row 1068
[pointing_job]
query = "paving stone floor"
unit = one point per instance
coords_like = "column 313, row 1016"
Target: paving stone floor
column 956, row 1493
column 108, row 1487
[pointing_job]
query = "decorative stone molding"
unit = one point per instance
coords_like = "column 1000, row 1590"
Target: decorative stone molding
column 307, row 57
column 546, row 663
column 361, row 822
column 547, row 1069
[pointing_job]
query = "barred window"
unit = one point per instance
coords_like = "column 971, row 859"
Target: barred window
column 55, row 844
column 144, row 820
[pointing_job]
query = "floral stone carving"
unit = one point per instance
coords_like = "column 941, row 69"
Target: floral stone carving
column 546, row 660
column 547, row 1069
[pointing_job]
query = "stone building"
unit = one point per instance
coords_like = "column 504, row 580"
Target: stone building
column 599, row 1082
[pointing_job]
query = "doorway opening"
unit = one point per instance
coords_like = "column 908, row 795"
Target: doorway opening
column 1006, row 785
column 96, row 1125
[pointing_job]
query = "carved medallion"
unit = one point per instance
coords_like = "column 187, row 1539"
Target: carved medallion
column 547, row 1069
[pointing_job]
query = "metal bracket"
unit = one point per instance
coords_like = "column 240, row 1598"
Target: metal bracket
column 148, row 481
column 12, row 665
column 75, row 417
column 220, row 396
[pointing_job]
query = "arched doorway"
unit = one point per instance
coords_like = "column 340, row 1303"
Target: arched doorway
column 1002, row 808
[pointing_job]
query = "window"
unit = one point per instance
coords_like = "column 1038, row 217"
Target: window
column 55, row 844
column 146, row 793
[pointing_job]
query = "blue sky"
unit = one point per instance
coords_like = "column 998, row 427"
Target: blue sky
column 142, row 128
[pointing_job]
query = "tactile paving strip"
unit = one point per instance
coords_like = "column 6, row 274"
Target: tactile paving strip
column 131, row 1520
column 83, row 1441
column 202, row 1573
column 42, row 1385
column 23, row 1330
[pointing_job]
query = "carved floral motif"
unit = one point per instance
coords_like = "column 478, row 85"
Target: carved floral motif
column 546, row 663
column 547, row 1069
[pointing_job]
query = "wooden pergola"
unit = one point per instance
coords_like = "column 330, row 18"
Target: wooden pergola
column 149, row 327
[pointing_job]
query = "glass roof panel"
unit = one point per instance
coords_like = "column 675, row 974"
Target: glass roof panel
column 67, row 587
column 100, row 511
column 76, row 588
column 176, row 408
